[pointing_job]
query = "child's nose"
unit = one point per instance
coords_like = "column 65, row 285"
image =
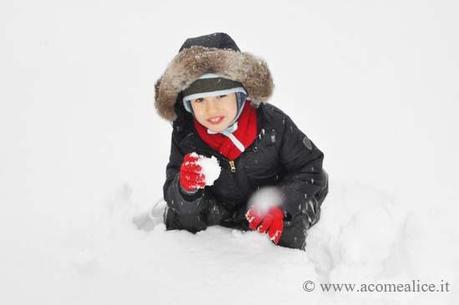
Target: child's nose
column 212, row 105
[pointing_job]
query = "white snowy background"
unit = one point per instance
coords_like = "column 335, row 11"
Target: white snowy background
column 375, row 85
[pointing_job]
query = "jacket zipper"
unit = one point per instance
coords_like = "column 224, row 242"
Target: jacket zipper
column 231, row 163
column 233, row 167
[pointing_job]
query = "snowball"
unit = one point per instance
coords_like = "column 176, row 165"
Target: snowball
column 210, row 168
column 265, row 198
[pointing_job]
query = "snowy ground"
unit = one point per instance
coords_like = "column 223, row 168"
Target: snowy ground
column 83, row 152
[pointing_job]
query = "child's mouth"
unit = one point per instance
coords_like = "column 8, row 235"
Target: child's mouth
column 215, row 120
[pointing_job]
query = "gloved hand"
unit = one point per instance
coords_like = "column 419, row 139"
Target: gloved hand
column 191, row 177
column 271, row 223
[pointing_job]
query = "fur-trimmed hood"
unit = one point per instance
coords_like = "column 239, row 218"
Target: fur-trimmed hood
column 190, row 63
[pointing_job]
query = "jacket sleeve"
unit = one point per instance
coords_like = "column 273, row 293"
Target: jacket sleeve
column 304, row 183
column 184, row 210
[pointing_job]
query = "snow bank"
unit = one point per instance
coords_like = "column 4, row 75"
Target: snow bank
column 363, row 237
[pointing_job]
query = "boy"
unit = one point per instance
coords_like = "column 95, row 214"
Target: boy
column 216, row 96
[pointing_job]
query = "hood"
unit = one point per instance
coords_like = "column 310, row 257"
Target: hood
column 190, row 63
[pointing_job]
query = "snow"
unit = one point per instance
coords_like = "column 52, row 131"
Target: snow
column 83, row 153
column 265, row 198
column 210, row 168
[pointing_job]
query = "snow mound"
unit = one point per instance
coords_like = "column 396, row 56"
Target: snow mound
column 101, row 257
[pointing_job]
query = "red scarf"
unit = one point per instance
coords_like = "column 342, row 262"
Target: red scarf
column 246, row 133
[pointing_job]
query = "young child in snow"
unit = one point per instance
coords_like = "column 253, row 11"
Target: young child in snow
column 235, row 159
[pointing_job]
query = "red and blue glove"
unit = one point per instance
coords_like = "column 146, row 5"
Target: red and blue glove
column 191, row 177
column 271, row 222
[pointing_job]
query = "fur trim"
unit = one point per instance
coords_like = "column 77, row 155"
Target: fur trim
column 188, row 65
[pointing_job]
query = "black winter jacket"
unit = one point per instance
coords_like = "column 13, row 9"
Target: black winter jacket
column 282, row 155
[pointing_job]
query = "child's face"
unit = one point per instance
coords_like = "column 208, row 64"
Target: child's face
column 215, row 112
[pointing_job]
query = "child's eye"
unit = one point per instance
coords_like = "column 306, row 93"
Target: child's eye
column 222, row 96
column 198, row 100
